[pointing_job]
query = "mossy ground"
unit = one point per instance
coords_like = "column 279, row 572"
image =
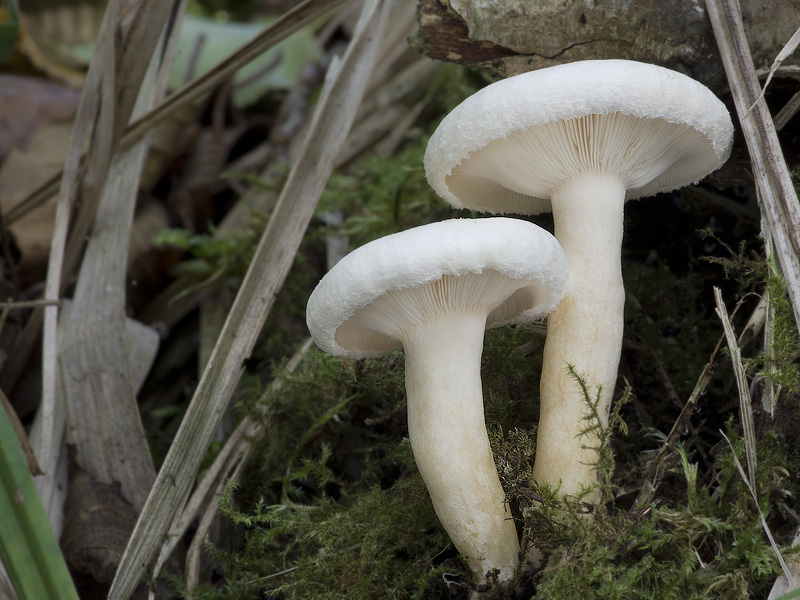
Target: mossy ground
column 332, row 506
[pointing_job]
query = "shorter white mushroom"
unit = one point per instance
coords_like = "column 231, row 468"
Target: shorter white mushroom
column 433, row 290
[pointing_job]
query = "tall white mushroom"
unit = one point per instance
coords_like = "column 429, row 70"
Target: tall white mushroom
column 578, row 139
column 433, row 290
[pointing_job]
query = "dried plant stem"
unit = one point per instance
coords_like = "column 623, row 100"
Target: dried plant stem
column 746, row 411
column 268, row 269
column 787, row 572
column 194, row 554
column 6, row 307
column 788, row 111
column 104, row 110
column 28, row 304
column 778, row 196
column 240, row 451
column 745, row 402
column 22, row 437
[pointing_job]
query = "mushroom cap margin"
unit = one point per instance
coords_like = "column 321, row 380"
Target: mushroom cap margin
column 571, row 91
column 424, row 254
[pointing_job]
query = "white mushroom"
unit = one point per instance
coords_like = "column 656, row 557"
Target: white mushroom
column 578, row 139
column 433, row 290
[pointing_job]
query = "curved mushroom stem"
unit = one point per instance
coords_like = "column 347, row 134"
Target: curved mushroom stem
column 584, row 331
column 447, row 429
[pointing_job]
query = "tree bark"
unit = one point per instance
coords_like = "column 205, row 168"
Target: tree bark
column 514, row 36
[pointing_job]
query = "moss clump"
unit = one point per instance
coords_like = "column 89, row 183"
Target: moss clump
column 778, row 364
column 710, row 543
column 375, row 543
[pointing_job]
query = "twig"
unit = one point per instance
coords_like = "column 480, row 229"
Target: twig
column 651, row 482
column 10, row 305
column 788, row 111
column 271, row 575
column 23, row 304
column 22, row 437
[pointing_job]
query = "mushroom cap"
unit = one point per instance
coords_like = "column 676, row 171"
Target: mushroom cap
column 529, row 265
column 507, row 147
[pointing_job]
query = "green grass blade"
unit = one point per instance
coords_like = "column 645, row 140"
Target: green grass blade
column 28, row 549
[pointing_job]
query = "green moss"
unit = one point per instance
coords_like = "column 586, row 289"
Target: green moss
column 779, row 363
column 709, row 544
column 379, row 543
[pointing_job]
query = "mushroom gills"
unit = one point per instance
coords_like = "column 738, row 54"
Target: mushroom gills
column 521, row 172
column 381, row 323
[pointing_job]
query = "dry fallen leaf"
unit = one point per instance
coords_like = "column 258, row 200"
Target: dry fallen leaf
column 20, row 174
column 27, row 104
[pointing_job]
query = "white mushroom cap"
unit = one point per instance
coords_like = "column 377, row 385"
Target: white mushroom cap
column 531, row 264
column 507, row 147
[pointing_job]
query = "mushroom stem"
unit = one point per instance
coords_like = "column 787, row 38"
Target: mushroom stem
column 585, row 331
column 447, row 430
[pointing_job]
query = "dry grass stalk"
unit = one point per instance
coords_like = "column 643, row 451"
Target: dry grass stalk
column 237, row 451
column 6, row 307
column 785, row 52
column 104, row 104
column 97, row 369
column 779, row 199
column 787, row 572
column 271, row 262
column 771, row 392
column 745, row 402
column 746, row 411
column 48, row 427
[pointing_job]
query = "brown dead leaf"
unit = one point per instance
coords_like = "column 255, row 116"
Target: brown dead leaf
column 19, row 175
column 27, row 104
column 95, row 549
column 56, row 35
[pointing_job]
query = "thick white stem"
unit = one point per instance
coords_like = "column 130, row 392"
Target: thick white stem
column 447, row 429
column 585, row 330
